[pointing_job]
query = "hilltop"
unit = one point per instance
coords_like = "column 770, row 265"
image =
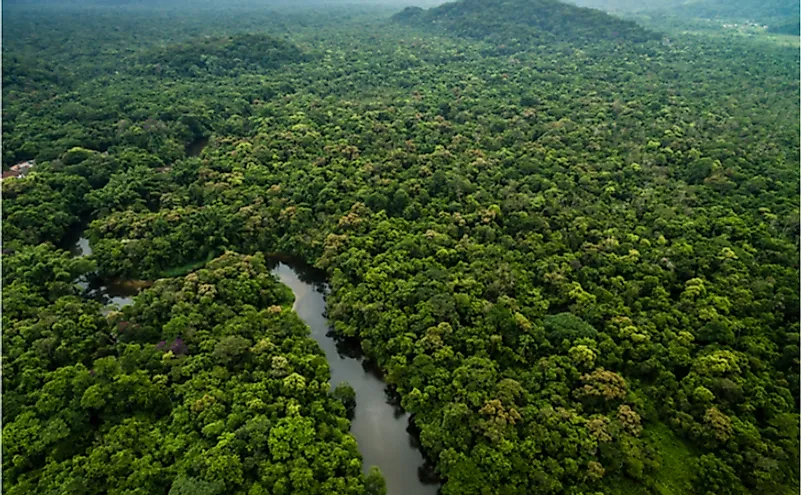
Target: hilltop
column 519, row 20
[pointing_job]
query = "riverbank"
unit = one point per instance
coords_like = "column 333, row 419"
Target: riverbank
column 380, row 426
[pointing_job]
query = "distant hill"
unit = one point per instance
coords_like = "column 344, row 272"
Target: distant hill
column 784, row 13
column 757, row 10
column 626, row 5
column 219, row 55
column 792, row 27
column 521, row 20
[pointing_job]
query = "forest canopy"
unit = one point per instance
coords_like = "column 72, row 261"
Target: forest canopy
column 190, row 388
column 529, row 20
column 220, row 56
column 569, row 243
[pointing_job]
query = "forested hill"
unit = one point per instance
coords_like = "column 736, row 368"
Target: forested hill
column 219, row 55
column 515, row 20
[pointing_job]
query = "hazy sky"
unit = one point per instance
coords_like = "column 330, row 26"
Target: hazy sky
column 232, row 3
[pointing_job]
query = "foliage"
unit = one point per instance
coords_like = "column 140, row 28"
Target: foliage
column 219, row 56
column 573, row 254
column 180, row 390
column 526, row 21
column 790, row 27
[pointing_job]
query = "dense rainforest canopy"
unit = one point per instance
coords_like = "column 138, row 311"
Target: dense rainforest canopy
column 569, row 241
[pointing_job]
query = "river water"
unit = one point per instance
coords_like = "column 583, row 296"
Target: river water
column 109, row 292
column 379, row 425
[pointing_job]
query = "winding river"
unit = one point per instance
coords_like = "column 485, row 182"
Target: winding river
column 379, row 425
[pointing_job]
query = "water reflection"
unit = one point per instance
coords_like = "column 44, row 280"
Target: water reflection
column 115, row 293
column 382, row 429
column 81, row 248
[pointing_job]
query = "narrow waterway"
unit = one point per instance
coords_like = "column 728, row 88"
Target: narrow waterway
column 117, row 293
column 380, row 426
